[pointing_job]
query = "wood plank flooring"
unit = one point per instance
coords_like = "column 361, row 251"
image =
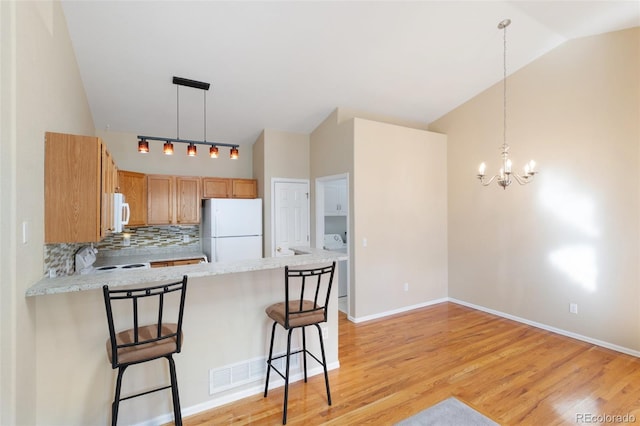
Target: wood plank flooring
column 394, row 367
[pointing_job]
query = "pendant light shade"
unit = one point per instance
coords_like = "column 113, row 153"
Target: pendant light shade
column 192, row 151
column 233, row 153
column 143, row 146
column 168, row 148
column 213, row 151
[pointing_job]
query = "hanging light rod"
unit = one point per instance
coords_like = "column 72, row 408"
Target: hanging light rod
column 143, row 141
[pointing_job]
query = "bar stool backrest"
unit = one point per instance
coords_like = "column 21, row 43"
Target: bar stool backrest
column 149, row 337
column 307, row 294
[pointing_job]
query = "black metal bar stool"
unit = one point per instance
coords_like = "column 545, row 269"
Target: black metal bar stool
column 142, row 343
column 306, row 302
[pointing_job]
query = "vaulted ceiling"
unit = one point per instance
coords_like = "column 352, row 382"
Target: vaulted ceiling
column 287, row 65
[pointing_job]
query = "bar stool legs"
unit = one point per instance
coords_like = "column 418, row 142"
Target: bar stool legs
column 174, row 393
column 287, row 357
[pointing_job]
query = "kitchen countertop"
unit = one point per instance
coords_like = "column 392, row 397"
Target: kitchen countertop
column 72, row 283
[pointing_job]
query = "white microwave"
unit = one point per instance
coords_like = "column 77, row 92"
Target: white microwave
column 121, row 212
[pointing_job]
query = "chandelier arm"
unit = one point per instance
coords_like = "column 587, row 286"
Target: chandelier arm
column 522, row 180
column 485, row 182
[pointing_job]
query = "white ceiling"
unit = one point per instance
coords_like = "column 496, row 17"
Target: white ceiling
column 287, row 65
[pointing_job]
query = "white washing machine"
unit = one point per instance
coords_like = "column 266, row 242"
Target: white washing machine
column 334, row 242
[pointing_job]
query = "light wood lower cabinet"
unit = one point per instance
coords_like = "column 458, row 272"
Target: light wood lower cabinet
column 181, row 262
column 80, row 178
column 173, row 200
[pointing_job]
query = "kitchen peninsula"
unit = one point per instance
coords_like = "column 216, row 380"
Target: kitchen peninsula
column 304, row 256
column 226, row 338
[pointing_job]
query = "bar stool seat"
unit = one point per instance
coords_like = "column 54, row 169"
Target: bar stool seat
column 312, row 288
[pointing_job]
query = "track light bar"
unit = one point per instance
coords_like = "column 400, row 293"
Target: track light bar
column 155, row 138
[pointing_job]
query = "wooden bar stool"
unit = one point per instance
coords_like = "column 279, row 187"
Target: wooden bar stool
column 142, row 343
column 306, row 302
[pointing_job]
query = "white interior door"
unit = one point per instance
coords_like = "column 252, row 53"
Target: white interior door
column 291, row 216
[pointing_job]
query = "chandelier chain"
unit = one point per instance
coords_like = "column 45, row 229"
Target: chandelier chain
column 504, row 89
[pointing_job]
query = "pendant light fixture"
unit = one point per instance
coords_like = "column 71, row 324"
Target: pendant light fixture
column 505, row 174
column 192, row 150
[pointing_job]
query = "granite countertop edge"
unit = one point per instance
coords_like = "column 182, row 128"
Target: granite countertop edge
column 75, row 283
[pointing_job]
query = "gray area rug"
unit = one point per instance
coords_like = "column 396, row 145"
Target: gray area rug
column 449, row 412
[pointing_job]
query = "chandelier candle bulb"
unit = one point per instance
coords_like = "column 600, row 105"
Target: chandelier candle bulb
column 507, row 167
column 481, row 169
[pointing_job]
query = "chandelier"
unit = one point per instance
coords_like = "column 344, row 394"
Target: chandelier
column 505, row 175
column 143, row 141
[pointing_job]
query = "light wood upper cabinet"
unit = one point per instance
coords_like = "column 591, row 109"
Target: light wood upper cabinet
column 213, row 187
column 244, row 188
column 187, row 200
column 160, row 199
column 109, row 178
column 78, row 181
column 173, row 200
column 134, row 187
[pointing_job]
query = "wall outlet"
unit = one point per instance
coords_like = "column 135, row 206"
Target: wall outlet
column 406, row 286
column 186, row 239
column 325, row 333
column 364, row 242
column 573, row 308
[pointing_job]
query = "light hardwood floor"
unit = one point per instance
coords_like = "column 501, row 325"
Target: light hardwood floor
column 394, row 367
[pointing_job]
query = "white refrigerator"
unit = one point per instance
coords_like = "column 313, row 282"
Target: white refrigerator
column 232, row 229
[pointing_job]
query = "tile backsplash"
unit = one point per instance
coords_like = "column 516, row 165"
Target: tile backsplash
column 60, row 258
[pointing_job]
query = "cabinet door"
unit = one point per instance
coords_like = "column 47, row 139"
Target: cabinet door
column 109, row 184
column 160, row 199
column 335, row 199
column 72, row 188
column 244, row 188
column 134, row 187
column 213, row 187
column 187, row 200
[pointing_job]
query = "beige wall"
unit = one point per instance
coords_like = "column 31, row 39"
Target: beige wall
column 331, row 153
column 124, row 148
column 41, row 91
column 283, row 155
column 397, row 200
column 400, row 208
column 571, row 236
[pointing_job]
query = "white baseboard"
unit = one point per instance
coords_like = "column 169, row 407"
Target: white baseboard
column 555, row 330
column 396, row 311
column 221, row 400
